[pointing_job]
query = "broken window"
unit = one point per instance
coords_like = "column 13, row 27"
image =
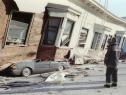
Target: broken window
column 65, row 40
column 118, row 40
column 83, row 37
column 104, row 42
column 96, row 40
column 18, row 28
column 51, row 30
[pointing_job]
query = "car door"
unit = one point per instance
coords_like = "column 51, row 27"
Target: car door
column 41, row 66
column 53, row 65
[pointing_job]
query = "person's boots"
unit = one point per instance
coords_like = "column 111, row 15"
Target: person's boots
column 114, row 85
column 107, row 85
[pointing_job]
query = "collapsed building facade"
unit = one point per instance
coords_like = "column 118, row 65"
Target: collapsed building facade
column 48, row 29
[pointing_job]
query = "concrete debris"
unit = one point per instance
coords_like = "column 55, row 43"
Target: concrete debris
column 57, row 77
column 122, row 61
column 46, row 75
column 77, row 77
column 74, row 76
column 81, row 71
column 100, row 70
column 91, row 61
column 3, row 67
column 70, row 75
column 99, row 91
column 79, row 60
column 86, row 67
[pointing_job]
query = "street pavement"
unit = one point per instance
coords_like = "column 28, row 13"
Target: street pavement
column 90, row 84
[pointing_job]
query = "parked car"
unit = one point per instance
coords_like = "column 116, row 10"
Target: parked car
column 26, row 68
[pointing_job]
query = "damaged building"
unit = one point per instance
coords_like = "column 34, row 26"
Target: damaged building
column 49, row 29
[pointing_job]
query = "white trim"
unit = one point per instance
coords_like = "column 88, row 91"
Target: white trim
column 68, row 15
column 57, row 14
column 72, row 17
column 59, row 33
column 39, row 7
column 62, row 8
column 99, row 28
column 56, row 10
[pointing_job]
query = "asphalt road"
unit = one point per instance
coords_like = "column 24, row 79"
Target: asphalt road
column 92, row 84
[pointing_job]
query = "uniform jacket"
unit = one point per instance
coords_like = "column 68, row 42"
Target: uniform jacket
column 111, row 57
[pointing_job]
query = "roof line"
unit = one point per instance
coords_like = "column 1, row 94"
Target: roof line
column 107, row 11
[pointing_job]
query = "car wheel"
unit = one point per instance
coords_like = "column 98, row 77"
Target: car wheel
column 26, row 72
column 60, row 68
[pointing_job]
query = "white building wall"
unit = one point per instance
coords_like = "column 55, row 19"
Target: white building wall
column 93, row 19
column 87, row 19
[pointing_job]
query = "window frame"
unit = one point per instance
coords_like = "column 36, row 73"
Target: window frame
column 45, row 26
column 70, row 34
column 104, row 42
column 123, row 42
column 97, row 45
column 27, row 32
column 118, row 38
column 83, row 43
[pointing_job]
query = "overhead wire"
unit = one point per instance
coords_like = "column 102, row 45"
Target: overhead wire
column 104, row 19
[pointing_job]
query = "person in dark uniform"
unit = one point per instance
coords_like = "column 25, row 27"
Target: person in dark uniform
column 111, row 61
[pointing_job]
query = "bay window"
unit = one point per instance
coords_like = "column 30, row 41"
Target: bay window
column 59, row 25
column 51, row 30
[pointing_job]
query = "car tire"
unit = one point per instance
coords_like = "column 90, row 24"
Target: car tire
column 60, row 68
column 26, row 72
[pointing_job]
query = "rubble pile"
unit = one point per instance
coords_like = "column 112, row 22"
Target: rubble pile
column 91, row 60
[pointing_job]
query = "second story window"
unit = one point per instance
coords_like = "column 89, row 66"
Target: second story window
column 65, row 40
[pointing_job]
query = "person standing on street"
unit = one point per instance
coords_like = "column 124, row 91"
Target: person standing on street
column 111, row 61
